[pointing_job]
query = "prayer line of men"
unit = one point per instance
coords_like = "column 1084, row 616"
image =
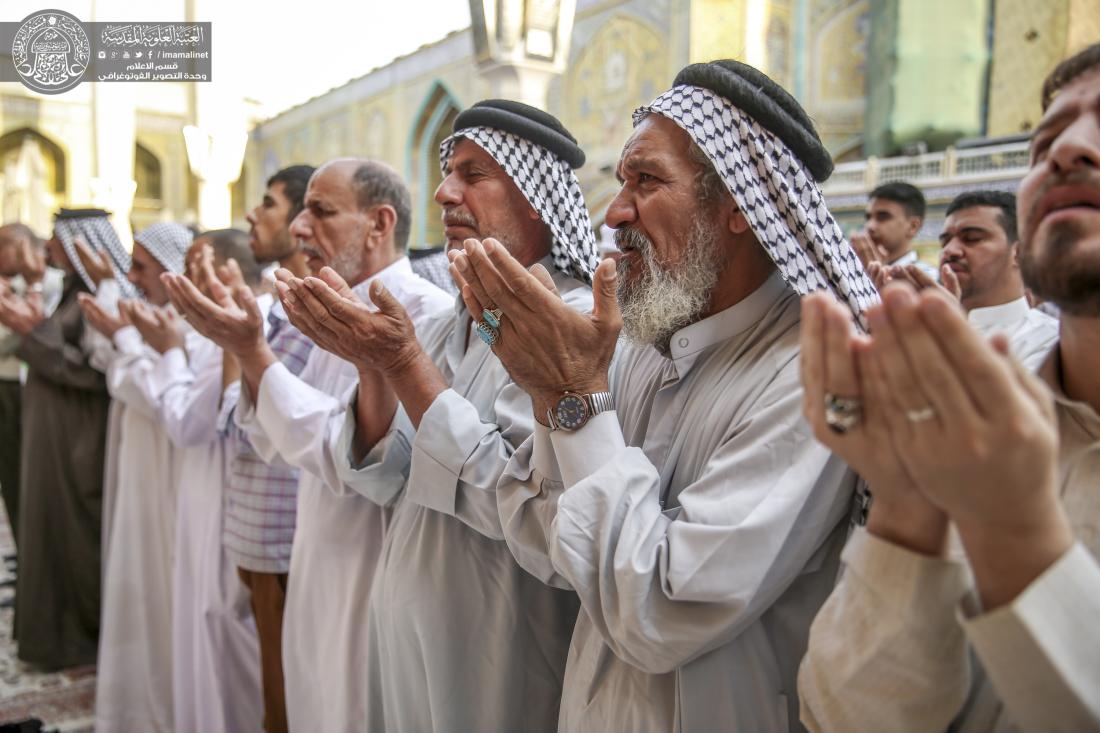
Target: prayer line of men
column 510, row 518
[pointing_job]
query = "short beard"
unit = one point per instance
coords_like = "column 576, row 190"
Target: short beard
column 662, row 301
column 1052, row 274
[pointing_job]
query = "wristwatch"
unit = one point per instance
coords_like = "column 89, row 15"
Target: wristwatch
column 573, row 411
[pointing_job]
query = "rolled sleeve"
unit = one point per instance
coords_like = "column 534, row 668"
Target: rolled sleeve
column 384, row 471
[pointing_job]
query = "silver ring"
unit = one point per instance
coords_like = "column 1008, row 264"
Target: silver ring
column 921, row 415
column 492, row 316
column 842, row 413
column 488, row 334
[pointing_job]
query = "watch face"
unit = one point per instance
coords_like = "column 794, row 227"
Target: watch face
column 571, row 412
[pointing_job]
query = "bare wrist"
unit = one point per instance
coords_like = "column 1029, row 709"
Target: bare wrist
column 403, row 362
column 909, row 522
column 1007, row 556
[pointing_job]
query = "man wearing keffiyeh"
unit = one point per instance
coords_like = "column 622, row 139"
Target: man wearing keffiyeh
column 64, row 430
column 675, row 487
column 461, row 638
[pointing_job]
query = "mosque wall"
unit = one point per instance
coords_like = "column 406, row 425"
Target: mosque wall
column 1030, row 38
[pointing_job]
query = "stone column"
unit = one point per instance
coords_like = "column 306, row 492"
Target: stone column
column 112, row 183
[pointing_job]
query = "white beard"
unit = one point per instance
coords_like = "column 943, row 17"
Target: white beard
column 662, row 301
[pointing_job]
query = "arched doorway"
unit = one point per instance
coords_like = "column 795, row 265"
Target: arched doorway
column 433, row 125
column 32, row 179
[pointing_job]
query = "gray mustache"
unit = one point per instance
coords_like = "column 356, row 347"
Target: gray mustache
column 627, row 238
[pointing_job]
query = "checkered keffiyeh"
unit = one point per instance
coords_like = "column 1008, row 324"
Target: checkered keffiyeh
column 100, row 236
column 167, row 243
column 551, row 187
column 778, row 195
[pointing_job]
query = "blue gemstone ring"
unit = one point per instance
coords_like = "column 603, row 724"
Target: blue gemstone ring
column 488, row 334
column 492, row 316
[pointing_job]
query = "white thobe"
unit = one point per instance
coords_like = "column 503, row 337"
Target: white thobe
column 1030, row 332
column 339, row 533
column 216, row 657
column 461, row 637
column 134, row 666
column 902, row 645
column 700, row 523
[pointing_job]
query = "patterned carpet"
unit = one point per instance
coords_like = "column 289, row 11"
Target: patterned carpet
column 64, row 700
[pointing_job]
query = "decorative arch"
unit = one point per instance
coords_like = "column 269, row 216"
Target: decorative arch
column 33, row 178
column 54, row 156
column 431, row 127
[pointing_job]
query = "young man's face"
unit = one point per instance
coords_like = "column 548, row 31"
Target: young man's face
column 269, row 230
column 889, row 226
column 977, row 250
column 145, row 274
column 1059, row 201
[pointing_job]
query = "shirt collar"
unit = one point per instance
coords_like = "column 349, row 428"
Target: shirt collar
column 392, row 276
column 690, row 341
column 999, row 315
column 1082, row 413
column 908, row 258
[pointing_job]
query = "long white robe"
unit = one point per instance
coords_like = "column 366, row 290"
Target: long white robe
column 134, row 684
column 216, row 657
column 461, row 637
column 339, row 533
column 700, row 524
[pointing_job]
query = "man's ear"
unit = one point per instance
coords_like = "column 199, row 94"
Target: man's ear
column 1015, row 246
column 736, row 221
column 915, row 223
column 383, row 220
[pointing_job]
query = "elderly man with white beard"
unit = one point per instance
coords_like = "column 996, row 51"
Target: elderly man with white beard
column 672, row 483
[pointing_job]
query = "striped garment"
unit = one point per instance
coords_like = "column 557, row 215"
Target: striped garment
column 261, row 498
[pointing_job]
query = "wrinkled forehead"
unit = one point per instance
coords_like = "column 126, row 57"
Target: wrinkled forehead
column 655, row 136
column 466, row 152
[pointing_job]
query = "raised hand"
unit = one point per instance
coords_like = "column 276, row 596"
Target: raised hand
column 547, row 347
column 161, row 328
column 921, row 281
column 99, row 318
column 837, row 362
column 376, row 336
column 228, row 317
column 96, row 264
column 21, row 315
column 866, row 249
column 980, row 437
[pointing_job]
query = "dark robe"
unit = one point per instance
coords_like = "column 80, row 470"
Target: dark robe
column 65, row 403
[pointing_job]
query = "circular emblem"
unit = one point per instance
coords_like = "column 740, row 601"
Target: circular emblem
column 51, row 51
